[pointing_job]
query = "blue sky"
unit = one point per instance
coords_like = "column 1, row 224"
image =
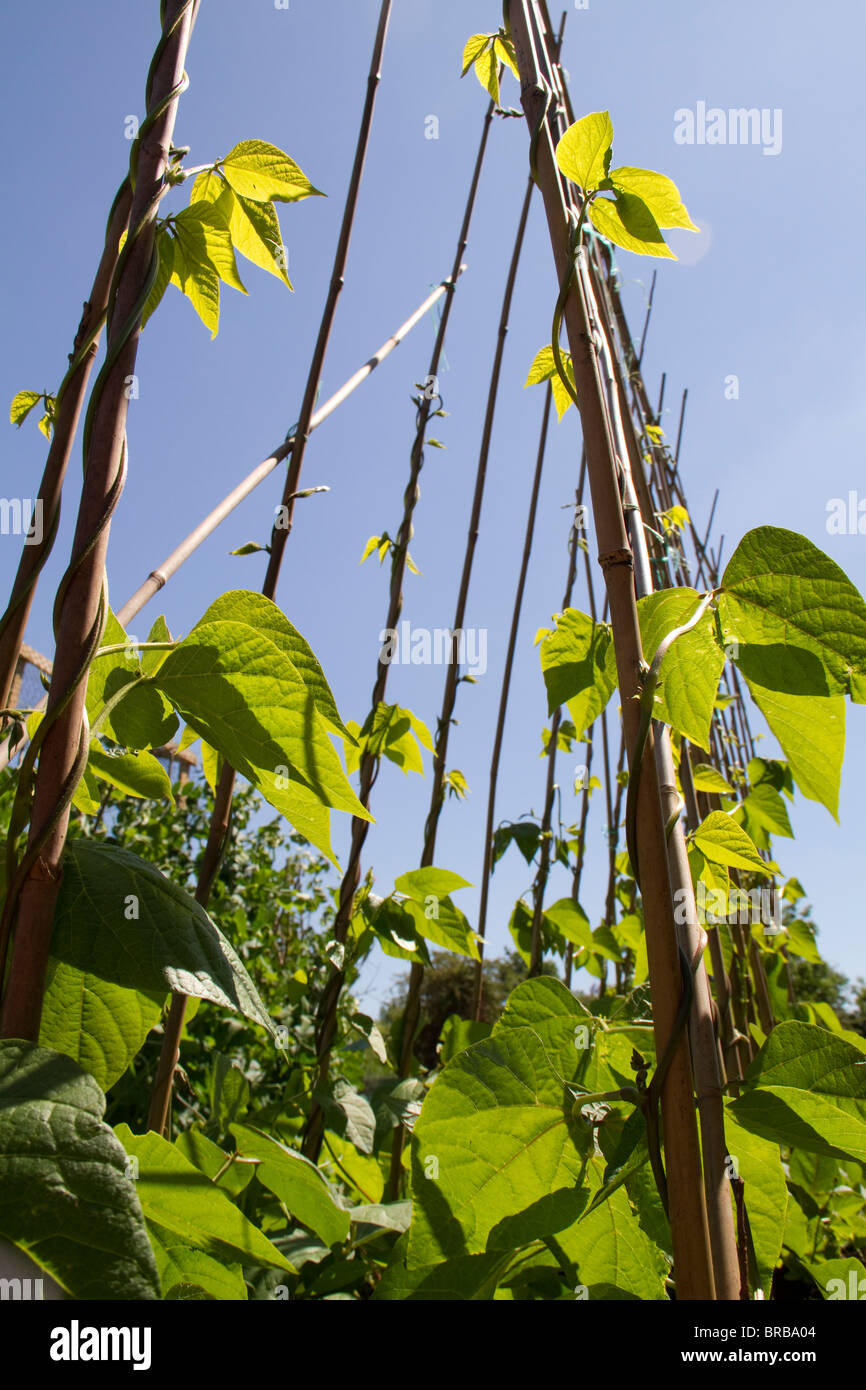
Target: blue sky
column 769, row 292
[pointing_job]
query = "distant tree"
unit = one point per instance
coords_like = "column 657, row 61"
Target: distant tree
column 449, row 988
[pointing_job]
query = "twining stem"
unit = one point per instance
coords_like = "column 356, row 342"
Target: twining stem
column 81, row 607
column 69, row 403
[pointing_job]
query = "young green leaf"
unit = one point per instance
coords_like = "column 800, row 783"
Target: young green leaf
column 22, row 404
column 504, row 50
column 263, row 173
column 692, row 665
column 544, row 369
column 707, row 778
column 579, row 667
column 473, row 49
column 720, row 839
column 165, row 251
column 659, row 193
column 254, row 227
column 202, row 230
column 199, row 281
column 583, row 153
column 628, row 222
column 487, row 72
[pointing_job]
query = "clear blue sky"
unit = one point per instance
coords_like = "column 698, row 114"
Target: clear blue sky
column 770, row 292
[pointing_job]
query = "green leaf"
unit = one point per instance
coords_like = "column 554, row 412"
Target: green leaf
column 296, row 1182
column 487, row 71
column 692, row 666
column 254, row 227
column 420, row 884
column 799, row 941
column 458, row 1033
column 263, row 173
column 765, row 806
column 807, row 1088
column 438, row 920
column 65, row 1198
column 349, row 1114
column 520, row 927
column 186, row 1273
column 660, row 194
column 256, row 611
column 467, row 1278
column 504, row 49
column 119, row 918
column 396, row 734
column 45, row 426
column 165, row 251
column 579, row 666
column 143, row 718
column 583, row 153
column 780, row 589
column 247, row 682
column 473, row 49
column 250, row 548
column 759, row 1164
column 100, row 1025
column 352, row 1167
column 839, row 1279
column 202, row 230
column 179, row 1198
column 199, row 281
column 212, row 1161
column 395, row 930
column 613, row 1256
column 723, row 841
column 628, row 222
column 137, row 774
column 570, row 920
column 495, row 1137
column 708, row 779
column 544, row 369
column 784, row 682
column 22, row 404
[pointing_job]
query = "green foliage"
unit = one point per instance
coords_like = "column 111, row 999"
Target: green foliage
column 231, row 210
column 544, row 369
column 486, row 53
column 61, row 1169
column 25, row 401
column 643, row 201
column 579, row 666
column 120, row 919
